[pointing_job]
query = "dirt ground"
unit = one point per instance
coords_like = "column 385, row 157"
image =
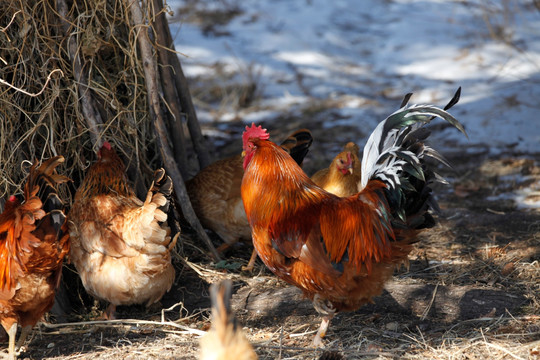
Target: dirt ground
column 471, row 290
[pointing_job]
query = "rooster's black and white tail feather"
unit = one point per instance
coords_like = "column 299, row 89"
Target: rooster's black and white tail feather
column 395, row 153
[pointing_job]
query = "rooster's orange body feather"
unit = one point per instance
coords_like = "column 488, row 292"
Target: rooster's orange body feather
column 33, row 245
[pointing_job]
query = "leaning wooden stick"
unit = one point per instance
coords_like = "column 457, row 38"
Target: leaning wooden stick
column 150, row 74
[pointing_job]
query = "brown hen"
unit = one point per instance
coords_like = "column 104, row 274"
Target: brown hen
column 215, row 193
column 121, row 246
column 342, row 177
column 33, row 245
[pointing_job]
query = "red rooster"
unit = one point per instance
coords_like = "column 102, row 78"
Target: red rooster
column 33, row 245
column 341, row 250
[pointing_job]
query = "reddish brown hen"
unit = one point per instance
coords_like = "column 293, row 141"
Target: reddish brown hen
column 33, row 245
column 215, row 193
column 341, row 250
column 342, row 177
column 121, row 246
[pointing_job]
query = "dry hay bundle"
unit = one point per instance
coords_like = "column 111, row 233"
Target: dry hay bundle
column 50, row 121
column 78, row 72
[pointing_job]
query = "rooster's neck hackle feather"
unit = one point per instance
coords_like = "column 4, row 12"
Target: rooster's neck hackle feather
column 274, row 176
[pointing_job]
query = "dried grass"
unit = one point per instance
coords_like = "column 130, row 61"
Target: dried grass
column 40, row 95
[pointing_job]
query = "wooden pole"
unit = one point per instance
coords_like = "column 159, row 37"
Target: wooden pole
column 182, row 89
column 175, row 115
column 150, row 74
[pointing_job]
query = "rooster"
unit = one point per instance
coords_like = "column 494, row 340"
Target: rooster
column 215, row 193
column 121, row 246
column 33, row 244
column 342, row 177
column 341, row 250
column 225, row 340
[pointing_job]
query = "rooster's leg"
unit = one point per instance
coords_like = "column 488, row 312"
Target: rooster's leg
column 327, row 310
column 317, row 340
column 251, row 262
column 24, row 334
column 12, row 333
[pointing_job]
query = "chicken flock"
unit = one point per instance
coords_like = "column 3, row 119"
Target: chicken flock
column 337, row 236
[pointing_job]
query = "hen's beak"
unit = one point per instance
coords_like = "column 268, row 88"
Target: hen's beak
column 243, row 154
column 350, row 170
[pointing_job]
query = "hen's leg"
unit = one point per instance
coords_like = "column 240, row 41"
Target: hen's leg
column 24, row 334
column 109, row 313
column 325, row 308
column 221, row 248
column 251, row 262
column 12, row 333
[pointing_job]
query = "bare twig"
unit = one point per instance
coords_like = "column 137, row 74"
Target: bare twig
column 3, row 29
column 28, row 93
column 426, row 311
column 117, row 322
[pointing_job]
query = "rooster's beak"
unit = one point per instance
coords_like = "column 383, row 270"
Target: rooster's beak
column 243, row 154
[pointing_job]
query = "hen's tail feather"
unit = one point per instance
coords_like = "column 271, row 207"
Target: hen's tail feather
column 395, row 154
column 162, row 184
column 225, row 340
column 47, row 180
column 297, row 144
column 220, row 295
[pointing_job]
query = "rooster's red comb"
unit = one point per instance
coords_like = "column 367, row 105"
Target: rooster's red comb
column 255, row 132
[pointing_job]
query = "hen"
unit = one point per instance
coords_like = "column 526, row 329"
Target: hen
column 343, row 175
column 225, row 340
column 215, row 193
column 121, row 246
column 33, row 245
column 341, row 250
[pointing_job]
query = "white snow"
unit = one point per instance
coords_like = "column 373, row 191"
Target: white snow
column 357, row 49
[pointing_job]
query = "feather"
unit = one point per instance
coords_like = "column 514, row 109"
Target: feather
column 383, row 142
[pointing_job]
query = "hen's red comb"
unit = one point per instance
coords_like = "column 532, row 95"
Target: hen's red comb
column 107, row 145
column 255, row 132
column 12, row 198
